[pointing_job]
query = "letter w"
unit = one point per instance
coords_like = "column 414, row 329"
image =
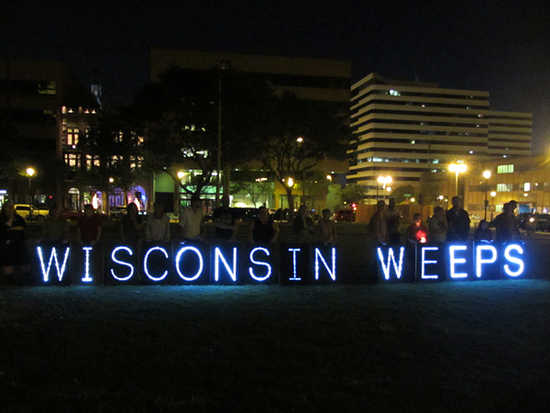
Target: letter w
column 385, row 262
column 53, row 257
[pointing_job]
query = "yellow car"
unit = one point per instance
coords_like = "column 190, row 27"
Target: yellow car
column 30, row 213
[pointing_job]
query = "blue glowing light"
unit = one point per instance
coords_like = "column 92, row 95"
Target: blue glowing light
column 124, row 263
column 179, row 256
column 453, row 261
column 480, row 261
column 514, row 260
column 424, row 261
column 332, row 270
column 294, row 275
column 398, row 268
column 53, row 257
column 146, row 266
column 267, row 266
column 86, row 278
column 232, row 271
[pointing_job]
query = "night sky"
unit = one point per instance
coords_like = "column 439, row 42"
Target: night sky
column 503, row 49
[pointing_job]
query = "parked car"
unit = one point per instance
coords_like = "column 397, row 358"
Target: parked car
column 30, row 213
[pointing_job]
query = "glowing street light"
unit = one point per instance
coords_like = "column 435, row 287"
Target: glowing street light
column 290, row 182
column 412, row 200
column 383, row 180
column 180, row 174
column 30, row 171
column 329, row 177
column 486, row 174
column 111, row 180
column 493, row 194
column 458, row 168
column 300, row 139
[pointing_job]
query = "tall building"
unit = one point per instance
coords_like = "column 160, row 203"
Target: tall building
column 405, row 129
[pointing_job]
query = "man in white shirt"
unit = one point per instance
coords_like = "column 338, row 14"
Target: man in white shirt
column 191, row 220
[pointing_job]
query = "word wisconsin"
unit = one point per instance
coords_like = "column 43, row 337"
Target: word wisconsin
column 185, row 263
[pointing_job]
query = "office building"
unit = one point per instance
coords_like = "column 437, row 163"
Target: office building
column 406, row 129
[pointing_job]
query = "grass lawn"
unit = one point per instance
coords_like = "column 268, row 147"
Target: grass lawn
column 478, row 346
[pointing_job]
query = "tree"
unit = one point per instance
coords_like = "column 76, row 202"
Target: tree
column 353, row 193
column 111, row 154
column 297, row 134
column 402, row 193
column 254, row 184
column 178, row 119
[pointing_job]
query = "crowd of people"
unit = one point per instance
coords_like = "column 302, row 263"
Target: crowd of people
column 443, row 226
column 386, row 226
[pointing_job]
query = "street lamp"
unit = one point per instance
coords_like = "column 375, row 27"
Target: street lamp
column 180, row 174
column 30, row 172
column 487, row 175
column 493, row 194
column 300, row 139
column 111, row 180
column 290, row 182
column 458, row 168
column 383, row 180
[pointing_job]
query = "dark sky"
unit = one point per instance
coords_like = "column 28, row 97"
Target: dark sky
column 493, row 46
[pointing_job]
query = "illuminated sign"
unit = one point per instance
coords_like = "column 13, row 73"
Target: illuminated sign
column 302, row 264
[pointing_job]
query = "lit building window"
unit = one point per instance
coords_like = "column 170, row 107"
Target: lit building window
column 504, row 187
column 92, row 161
column 394, row 92
column 72, row 160
column 505, row 169
column 140, row 140
column 47, row 87
column 72, row 136
column 526, row 186
column 63, row 109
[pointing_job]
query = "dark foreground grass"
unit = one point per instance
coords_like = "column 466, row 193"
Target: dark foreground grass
column 443, row 347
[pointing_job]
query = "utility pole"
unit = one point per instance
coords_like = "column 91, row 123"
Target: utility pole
column 222, row 66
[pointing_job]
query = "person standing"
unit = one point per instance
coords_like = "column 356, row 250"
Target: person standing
column 483, row 233
column 458, row 221
column 131, row 225
column 225, row 222
column 326, row 228
column 89, row 226
column 505, row 224
column 393, row 221
column 13, row 255
column 157, row 228
column 378, row 224
column 263, row 230
column 301, row 225
column 417, row 231
column 55, row 229
column 438, row 226
column 191, row 220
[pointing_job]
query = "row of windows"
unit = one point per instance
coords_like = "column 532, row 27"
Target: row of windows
column 395, row 179
column 454, row 152
column 422, row 123
column 395, row 92
column 420, row 103
column 421, row 132
column 422, row 113
column 423, row 142
column 73, row 160
column 390, row 168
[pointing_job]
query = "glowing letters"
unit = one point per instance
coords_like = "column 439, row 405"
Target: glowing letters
column 232, row 271
column 398, row 269
column 86, row 278
column 146, row 266
column 514, row 260
column 294, row 275
column 480, row 260
column 53, row 257
column 179, row 255
column 124, row 263
column 453, row 261
column 424, row 261
column 331, row 271
column 267, row 266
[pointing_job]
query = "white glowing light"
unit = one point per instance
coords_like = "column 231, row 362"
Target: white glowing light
column 124, row 263
column 86, row 278
column 53, row 257
column 480, row 260
column 453, row 260
column 267, row 266
column 424, row 261
column 294, row 275
column 514, row 260
column 331, row 271
column 146, row 266
column 179, row 255
column 398, row 269
column 232, row 271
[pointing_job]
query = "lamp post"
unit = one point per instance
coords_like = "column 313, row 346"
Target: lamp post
column 458, row 168
column 383, row 180
column 486, row 175
column 493, row 194
column 30, row 172
column 222, row 66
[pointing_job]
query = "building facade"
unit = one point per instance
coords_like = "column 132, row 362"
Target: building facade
column 406, row 130
column 319, row 80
